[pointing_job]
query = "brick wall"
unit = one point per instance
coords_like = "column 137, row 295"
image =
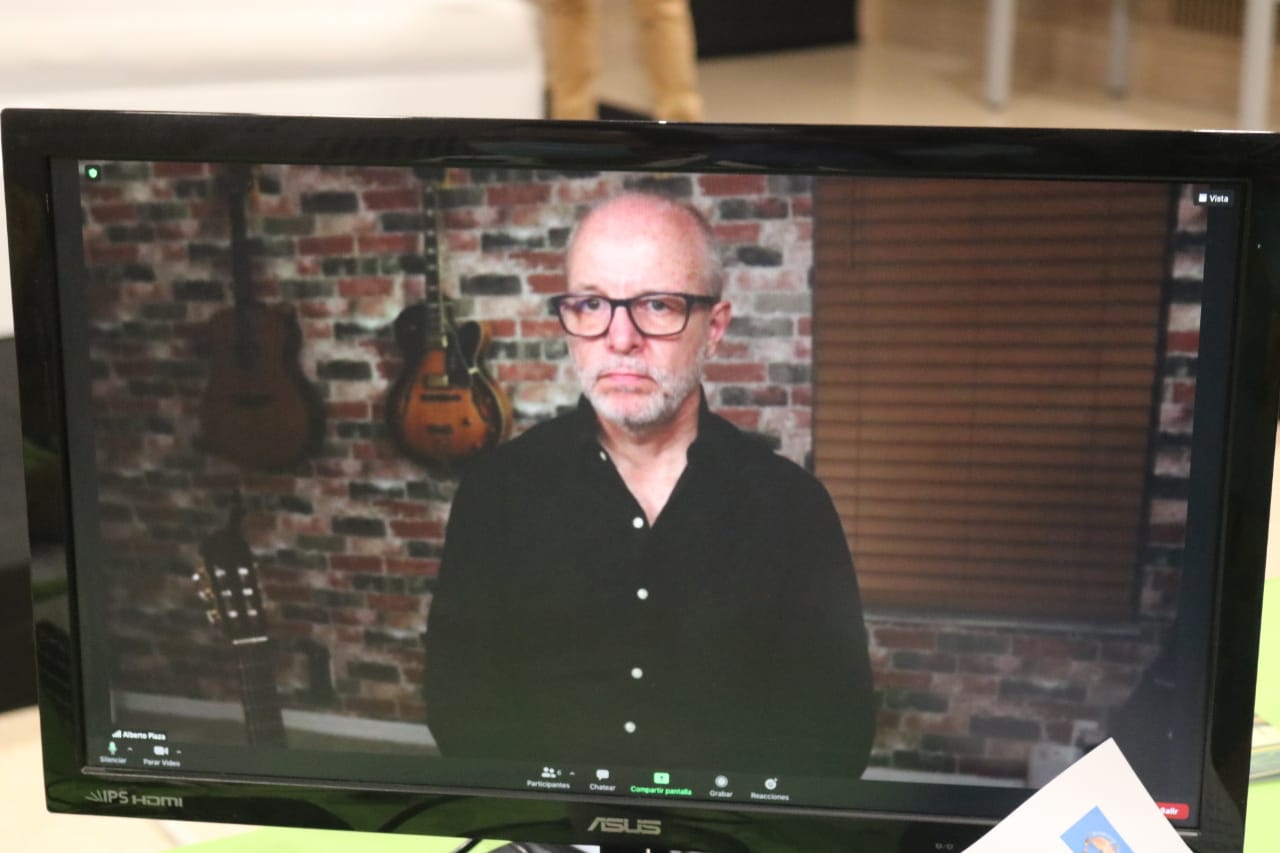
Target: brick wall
column 349, row 542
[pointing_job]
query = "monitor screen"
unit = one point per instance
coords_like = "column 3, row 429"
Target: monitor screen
column 720, row 488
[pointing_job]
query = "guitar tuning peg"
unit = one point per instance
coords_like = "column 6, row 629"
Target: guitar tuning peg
column 206, row 596
column 212, row 616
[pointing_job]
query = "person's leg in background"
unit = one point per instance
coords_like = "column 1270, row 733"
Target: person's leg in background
column 573, row 56
column 669, row 50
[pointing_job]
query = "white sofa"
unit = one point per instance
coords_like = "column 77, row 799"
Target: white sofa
column 469, row 58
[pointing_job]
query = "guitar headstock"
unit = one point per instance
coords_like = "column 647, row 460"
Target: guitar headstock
column 227, row 582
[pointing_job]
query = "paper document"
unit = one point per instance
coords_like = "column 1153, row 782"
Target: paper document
column 1097, row 805
column 1265, row 757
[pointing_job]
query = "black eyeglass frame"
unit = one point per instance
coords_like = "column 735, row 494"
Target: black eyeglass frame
column 692, row 300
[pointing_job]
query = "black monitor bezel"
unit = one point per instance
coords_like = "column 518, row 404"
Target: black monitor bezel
column 33, row 139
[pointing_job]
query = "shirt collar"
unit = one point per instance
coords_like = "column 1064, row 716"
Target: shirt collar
column 709, row 444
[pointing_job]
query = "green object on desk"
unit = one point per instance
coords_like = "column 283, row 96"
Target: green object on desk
column 1262, row 821
column 1267, row 701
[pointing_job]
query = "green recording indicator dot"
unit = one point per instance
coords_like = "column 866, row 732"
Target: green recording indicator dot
column 92, row 173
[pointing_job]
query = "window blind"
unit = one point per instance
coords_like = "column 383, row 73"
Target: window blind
column 985, row 354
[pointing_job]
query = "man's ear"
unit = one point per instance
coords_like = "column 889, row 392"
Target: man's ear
column 717, row 325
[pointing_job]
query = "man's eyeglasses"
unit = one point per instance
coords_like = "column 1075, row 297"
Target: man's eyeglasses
column 655, row 315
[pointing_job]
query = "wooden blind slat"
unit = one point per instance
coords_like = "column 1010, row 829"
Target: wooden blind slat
column 1019, row 315
column 909, row 271
column 981, row 395
column 1047, row 495
column 1055, row 554
column 843, row 461
column 1078, row 477
column 1002, row 413
column 939, row 434
column 921, row 514
column 923, row 338
column 999, row 209
column 1096, row 249
column 1030, row 229
column 1105, row 375
column 1116, row 532
column 1055, row 293
column 901, row 353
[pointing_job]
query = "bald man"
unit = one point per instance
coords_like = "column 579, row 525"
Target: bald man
column 638, row 583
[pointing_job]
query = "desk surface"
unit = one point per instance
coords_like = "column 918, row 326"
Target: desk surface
column 1262, row 828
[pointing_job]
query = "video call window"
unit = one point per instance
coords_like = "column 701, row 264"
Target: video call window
column 993, row 379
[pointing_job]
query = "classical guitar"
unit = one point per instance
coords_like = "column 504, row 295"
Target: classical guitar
column 442, row 407
column 228, row 583
column 258, row 408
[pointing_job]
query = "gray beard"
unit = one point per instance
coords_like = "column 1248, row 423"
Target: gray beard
column 658, row 408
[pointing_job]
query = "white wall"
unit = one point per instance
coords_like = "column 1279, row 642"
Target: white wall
column 466, row 58
column 6, row 299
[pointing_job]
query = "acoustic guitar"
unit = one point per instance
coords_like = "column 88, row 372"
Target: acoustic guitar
column 443, row 407
column 258, row 408
column 228, row 583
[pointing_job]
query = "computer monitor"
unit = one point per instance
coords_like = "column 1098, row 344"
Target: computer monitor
column 982, row 424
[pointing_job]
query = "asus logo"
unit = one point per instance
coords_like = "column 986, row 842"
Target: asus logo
column 119, row 796
column 623, row 826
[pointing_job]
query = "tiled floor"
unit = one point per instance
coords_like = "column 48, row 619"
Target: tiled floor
column 877, row 84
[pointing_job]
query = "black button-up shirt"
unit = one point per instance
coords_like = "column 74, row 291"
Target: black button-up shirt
column 727, row 636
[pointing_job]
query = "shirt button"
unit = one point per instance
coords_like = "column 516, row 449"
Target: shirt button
column 630, row 727
column 637, row 522
column 637, row 673
column 642, row 593
column 604, row 457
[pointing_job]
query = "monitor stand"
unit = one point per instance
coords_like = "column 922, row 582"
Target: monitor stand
column 527, row 847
